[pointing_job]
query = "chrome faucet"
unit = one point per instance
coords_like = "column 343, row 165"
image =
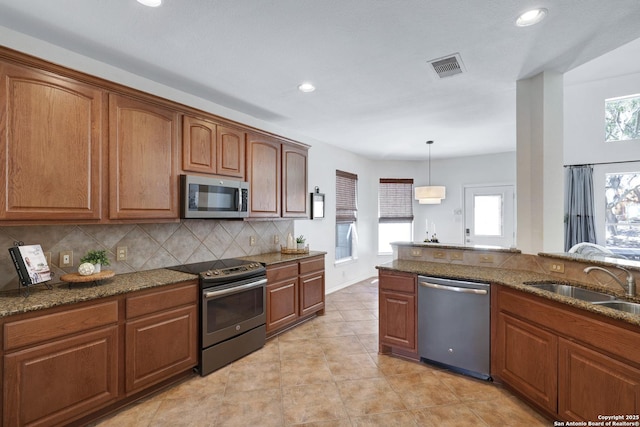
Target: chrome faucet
column 630, row 289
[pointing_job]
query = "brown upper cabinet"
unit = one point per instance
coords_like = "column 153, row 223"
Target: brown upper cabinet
column 264, row 175
column 277, row 175
column 211, row 148
column 51, row 133
column 79, row 149
column 294, row 182
column 142, row 159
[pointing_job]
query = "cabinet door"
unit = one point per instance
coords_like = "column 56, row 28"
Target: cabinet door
column 397, row 310
column 311, row 293
column 160, row 346
column 263, row 174
column 282, row 304
column 398, row 320
column 142, row 160
column 53, row 383
column 51, row 141
column 294, row 182
column 198, row 145
column 526, row 357
column 593, row 384
column 230, row 152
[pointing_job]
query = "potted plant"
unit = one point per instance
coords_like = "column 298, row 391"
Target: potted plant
column 98, row 258
column 300, row 241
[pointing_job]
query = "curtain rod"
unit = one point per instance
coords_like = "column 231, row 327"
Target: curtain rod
column 604, row 163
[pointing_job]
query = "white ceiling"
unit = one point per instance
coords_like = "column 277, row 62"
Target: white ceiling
column 368, row 58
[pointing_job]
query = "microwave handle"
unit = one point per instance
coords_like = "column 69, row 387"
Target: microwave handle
column 239, row 199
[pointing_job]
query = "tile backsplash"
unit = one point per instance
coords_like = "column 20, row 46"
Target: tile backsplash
column 149, row 246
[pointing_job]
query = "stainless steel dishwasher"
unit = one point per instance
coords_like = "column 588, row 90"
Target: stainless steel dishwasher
column 454, row 325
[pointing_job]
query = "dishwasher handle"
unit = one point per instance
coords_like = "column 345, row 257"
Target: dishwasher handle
column 454, row 288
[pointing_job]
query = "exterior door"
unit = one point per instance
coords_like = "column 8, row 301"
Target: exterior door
column 489, row 216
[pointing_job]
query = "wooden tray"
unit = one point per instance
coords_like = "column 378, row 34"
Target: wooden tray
column 288, row 251
column 78, row 278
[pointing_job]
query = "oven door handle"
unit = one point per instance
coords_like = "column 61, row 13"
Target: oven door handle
column 235, row 289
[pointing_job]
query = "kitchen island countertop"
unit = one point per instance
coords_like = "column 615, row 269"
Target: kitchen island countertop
column 516, row 279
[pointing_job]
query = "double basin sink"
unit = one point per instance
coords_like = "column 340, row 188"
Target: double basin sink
column 594, row 297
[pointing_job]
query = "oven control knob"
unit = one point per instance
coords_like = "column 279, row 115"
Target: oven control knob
column 216, row 272
column 208, row 273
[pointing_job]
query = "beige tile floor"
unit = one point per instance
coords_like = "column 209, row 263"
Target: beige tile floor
column 326, row 372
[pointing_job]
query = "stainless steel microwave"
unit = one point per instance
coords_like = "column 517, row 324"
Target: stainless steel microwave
column 206, row 197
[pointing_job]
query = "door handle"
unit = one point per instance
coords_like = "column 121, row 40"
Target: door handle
column 454, row 288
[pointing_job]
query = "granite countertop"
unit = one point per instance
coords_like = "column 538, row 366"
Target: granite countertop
column 277, row 257
column 459, row 247
column 40, row 297
column 515, row 279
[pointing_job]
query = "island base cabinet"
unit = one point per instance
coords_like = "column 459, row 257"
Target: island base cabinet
column 527, row 360
column 594, row 384
column 398, row 313
column 59, row 381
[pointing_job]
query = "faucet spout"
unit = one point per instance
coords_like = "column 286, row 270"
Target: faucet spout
column 630, row 287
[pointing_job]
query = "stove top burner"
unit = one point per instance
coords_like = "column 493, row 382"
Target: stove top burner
column 222, row 270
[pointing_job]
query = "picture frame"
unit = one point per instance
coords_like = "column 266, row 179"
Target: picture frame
column 317, row 205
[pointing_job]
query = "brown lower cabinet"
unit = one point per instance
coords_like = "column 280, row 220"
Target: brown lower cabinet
column 570, row 363
column 398, row 314
column 295, row 291
column 66, row 363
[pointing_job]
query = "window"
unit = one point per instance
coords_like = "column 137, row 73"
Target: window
column 622, row 118
column 395, row 212
column 346, row 215
column 487, row 215
column 622, row 214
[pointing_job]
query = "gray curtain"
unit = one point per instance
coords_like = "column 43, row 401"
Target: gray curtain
column 579, row 225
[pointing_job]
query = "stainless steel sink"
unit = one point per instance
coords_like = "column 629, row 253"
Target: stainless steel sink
column 627, row 307
column 574, row 292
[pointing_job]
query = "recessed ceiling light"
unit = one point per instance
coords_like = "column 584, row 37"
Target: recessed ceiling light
column 306, row 87
column 150, row 3
column 531, row 17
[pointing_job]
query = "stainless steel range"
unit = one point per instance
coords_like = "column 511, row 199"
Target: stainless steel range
column 232, row 310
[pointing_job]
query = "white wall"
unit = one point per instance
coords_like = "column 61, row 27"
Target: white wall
column 584, row 135
column 584, row 121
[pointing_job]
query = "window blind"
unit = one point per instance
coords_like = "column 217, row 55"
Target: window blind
column 346, row 201
column 395, row 200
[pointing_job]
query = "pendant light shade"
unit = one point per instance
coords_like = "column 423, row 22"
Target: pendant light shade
column 428, row 194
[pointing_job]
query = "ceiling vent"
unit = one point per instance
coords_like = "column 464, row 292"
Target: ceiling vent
column 448, row 66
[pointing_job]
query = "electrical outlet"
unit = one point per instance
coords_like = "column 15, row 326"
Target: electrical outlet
column 455, row 256
column 439, row 255
column 252, row 241
column 416, row 252
column 121, row 253
column 66, row 259
column 486, row 258
column 557, row 267
column 276, row 239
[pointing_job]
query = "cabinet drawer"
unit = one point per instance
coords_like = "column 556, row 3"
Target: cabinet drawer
column 161, row 300
column 50, row 326
column 398, row 282
column 282, row 272
column 312, row 264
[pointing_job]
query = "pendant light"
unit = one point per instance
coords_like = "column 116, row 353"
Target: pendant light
column 430, row 195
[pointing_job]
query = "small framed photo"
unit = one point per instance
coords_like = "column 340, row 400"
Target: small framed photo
column 317, row 205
